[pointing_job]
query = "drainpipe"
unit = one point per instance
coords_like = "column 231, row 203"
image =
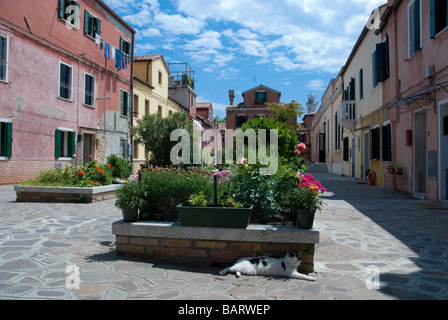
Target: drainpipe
column 132, row 98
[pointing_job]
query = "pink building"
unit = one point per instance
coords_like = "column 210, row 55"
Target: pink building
column 415, row 96
column 65, row 85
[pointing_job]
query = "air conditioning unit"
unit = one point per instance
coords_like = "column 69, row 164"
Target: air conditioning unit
column 430, row 72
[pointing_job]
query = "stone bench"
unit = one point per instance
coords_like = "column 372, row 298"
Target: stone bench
column 173, row 242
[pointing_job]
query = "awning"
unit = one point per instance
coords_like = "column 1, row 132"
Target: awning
column 419, row 94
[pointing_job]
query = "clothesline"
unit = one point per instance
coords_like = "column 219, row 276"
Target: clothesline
column 110, row 52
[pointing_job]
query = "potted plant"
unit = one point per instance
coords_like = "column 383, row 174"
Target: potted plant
column 391, row 168
column 227, row 213
column 130, row 200
column 398, row 169
column 306, row 201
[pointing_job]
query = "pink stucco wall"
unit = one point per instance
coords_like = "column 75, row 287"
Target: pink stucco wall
column 38, row 41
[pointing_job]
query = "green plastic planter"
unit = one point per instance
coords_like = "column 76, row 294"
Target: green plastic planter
column 304, row 218
column 212, row 216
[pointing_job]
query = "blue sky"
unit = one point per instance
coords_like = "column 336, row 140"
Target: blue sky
column 292, row 46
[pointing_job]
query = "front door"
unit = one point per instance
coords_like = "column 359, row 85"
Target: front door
column 443, row 151
column 420, row 153
column 88, row 147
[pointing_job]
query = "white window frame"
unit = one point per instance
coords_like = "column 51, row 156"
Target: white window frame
column 6, row 121
column 7, row 57
column 65, row 143
column 94, row 90
column 76, row 19
column 71, row 82
column 91, row 15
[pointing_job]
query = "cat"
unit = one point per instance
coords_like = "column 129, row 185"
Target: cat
column 264, row 266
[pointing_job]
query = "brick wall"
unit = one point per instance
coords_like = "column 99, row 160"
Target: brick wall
column 16, row 171
column 209, row 252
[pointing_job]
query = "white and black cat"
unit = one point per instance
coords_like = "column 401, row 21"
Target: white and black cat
column 264, row 266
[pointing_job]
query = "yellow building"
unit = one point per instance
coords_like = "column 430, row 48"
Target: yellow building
column 151, row 75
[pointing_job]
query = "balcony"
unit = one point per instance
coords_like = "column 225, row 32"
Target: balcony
column 347, row 114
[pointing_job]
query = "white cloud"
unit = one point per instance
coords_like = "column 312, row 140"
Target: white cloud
column 178, row 24
column 317, row 85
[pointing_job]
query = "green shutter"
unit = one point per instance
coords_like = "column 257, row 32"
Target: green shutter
column 86, row 21
column 432, row 18
column 71, row 144
column 380, row 62
column 129, row 104
column 122, row 102
column 58, row 143
column 121, row 44
column 417, row 37
column 98, row 26
column 62, row 9
column 352, row 89
column 8, row 139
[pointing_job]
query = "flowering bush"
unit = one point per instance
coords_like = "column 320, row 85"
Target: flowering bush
column 92, row 174
column 307, row 192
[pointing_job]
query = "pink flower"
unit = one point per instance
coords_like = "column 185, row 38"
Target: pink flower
column 243, row 160
column 301, row 147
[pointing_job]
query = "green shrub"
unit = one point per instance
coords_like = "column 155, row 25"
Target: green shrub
column 120, row 168
column 165, row 188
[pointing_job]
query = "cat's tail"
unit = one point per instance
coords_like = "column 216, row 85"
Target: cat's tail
column 224, row 271
column 304, row 277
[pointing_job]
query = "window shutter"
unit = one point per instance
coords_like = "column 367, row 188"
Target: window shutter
column 352, row 89
column 71, row 144
column 121, row 44
column 62, row 9
column 122, row 102
column 379, row 63
column 361, row 83
column 417, row 25
column 128, row 100
column 86, row 21
column 8, row 139
column 432, row 18
column 58, row 143
column 98, row 26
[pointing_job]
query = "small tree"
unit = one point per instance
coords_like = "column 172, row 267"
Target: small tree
column 282, row 112
column 154, row 132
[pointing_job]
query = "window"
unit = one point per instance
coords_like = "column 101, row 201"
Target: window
column 89, row 90
column 414, row 27
column 122, row 151
column 346, row 150
column 302, row 137
column 125, row 46
column 136, row 153
column 160, row 77
column 438, row 16
column 361, row 84
column 92, row 25
column 146, row 107
column 3, row 58
column 136, row 107
column 261, row 97
column 191, row 100
column 5, row 139
column 69, row 12
column 349, row 93
column 125, row 105
column 160, row 110
column 170, row 113
column 64, row 143
column 374, row 73
column 375, row 143
column 337, row 133
column 65, row 81
column 240, row 120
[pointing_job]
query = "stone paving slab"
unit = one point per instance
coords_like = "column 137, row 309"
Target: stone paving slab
column 67, row 252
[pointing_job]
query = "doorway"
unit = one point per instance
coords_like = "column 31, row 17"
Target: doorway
column 366, row 152
column 353, row 158
column 419, row 180
column 88, row 147
column 443, row 150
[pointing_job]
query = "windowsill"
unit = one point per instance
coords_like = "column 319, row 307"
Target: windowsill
column 4, row 158
column 88, row 106
column 414, row 54
column 4, row 81
column 64, row 99
column 440, row 32
column 64, row 159
column 70, row 24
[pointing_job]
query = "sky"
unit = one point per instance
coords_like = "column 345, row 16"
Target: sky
column 293, row 46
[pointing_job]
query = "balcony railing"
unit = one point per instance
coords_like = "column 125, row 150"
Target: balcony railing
column 347, row 114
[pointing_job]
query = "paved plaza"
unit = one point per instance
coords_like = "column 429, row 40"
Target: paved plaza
column 373, row 245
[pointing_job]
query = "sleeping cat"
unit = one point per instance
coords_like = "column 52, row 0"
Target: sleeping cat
column 263, row 266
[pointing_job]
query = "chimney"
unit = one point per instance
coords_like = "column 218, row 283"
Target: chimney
column 232, row 96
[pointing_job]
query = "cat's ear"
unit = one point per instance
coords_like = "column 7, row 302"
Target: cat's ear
column 291, row 253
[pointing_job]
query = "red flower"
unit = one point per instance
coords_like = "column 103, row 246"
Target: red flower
column 81, row 173
column 101, row 171
column 92, row 183
column 90, row 156
column 108, row 165
column 97, row 168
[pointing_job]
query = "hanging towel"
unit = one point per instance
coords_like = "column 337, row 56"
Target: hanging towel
column 107, row 51
column 118, row 55
column 97, row 39
column 102, row 44
column 113, row 53
column 125, row 62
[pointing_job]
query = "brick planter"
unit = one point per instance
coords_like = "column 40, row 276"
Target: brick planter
column 173, row 242
column 64, row 194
